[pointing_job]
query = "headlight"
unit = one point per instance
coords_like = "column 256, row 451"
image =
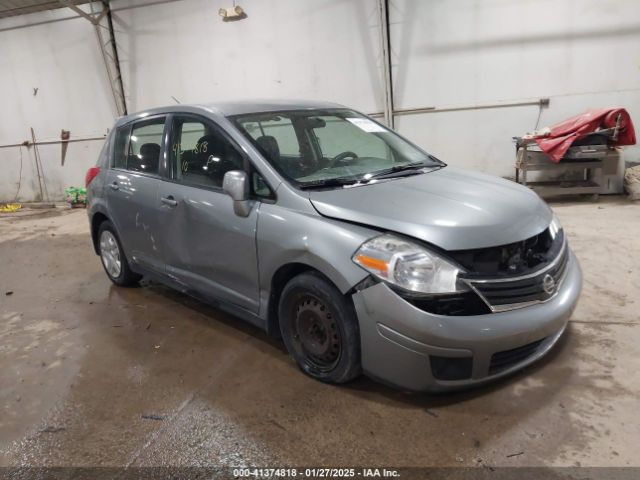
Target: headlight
column 407, row 265
column 554, row 227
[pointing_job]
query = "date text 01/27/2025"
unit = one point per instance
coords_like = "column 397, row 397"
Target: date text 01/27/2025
column 315, row 473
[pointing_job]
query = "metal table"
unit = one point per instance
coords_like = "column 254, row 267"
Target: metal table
column 590, row 159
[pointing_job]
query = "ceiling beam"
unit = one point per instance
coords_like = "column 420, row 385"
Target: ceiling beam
column 93, row 19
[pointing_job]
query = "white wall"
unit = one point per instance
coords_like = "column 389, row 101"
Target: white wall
column 580, row 53
column 322, row 49
column 325, row 49
column 61, row 59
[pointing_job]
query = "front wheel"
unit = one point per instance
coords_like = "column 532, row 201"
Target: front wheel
column 320, row 329
column 113, row 259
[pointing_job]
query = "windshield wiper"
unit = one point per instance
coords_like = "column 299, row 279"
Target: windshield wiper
column 328, row 182
column 391, row 172
column 413, row 168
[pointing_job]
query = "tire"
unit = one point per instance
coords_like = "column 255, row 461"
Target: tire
column 320, row 329
column 112, row 256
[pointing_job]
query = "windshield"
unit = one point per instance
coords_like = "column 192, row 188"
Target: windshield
column 330, row 147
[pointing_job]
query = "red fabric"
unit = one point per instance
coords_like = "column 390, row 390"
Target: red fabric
column 565, row 133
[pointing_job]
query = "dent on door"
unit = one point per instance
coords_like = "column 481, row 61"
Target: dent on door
column 132, row 202
column 208, row 247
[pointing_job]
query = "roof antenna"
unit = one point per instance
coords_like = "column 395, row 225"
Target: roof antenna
column 175, row 100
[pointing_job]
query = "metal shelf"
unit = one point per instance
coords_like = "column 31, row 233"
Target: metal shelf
column 581, row 165
column 530, row 159
column 552, row 188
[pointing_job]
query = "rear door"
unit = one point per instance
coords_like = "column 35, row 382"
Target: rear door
column 132, row 190
column 208, row 248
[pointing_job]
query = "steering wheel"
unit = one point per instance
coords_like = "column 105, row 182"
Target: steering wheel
column 341, row 156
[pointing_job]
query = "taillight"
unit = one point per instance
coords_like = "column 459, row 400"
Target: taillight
column 91, row 174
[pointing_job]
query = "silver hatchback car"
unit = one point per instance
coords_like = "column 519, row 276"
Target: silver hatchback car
column 320, row 225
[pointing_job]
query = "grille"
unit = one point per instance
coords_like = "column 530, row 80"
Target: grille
column 502, row 360
column 520, row 258
column 505, row 294
column 467, row 303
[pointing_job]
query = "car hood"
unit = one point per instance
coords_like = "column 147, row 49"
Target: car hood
column 450, row 208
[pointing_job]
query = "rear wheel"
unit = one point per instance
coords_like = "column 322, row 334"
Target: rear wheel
column 113, row 259
column 320, row 329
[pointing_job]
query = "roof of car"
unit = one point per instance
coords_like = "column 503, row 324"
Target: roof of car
column 255, row 106
column 240, row 107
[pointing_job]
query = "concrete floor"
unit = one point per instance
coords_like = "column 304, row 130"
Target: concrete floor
column 92, row 374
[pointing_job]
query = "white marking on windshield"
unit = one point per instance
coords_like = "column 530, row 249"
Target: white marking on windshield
column 366, row 125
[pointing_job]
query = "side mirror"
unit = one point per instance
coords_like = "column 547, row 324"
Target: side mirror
column 236, row 185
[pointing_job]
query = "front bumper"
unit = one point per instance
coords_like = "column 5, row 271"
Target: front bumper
column 399, row 340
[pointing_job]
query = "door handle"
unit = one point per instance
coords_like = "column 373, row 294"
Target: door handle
column 169, row 201
column 114, row 186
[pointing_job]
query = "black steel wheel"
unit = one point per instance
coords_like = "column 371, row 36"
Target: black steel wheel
column 315, row 333
column 319, row 328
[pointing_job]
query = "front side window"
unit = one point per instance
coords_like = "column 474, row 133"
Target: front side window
column 201, row 153
column 316, row 147
column 137, row 147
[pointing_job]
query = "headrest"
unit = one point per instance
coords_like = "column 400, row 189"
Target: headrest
column 150, row 151
column 149, row 157
column 270, row 145
column 206, row 144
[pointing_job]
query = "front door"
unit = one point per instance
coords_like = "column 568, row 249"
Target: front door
column 132, row 191
column 207, row 247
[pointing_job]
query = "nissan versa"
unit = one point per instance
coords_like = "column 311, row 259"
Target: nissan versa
column 316, row 223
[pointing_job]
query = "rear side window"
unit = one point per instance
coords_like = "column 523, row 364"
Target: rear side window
column 138, row 146
column 120, row 147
